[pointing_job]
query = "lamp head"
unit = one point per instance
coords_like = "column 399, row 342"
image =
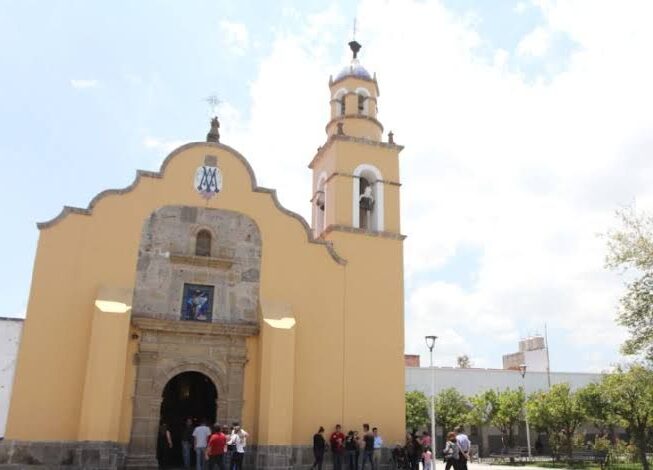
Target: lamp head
column 430, row 341
column 522, row 369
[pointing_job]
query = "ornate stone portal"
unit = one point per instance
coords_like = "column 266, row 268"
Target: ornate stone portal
column 173, row 336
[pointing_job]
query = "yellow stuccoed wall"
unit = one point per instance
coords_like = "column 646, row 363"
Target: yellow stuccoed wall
column 341, row 361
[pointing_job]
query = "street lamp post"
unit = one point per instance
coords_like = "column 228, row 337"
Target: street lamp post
column 430, row 343
column 522, row 370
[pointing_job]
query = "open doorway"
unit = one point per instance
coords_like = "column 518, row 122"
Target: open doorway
column 187, row 395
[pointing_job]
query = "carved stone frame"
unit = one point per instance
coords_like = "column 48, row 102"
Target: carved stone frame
column 168, row 348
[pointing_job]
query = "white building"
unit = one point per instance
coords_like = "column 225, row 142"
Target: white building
column 532, row 352
column 10, row 329
column 473, row 381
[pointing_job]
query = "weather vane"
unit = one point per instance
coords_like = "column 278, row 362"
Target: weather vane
column 213, row 102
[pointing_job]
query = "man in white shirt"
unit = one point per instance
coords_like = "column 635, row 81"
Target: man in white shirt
column 378, row 446
column 464, row 444
column 239, row 439
column 200, row 440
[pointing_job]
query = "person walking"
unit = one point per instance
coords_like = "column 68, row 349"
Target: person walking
column 319, row 448
column 187, row 442
column 239, row 439
column 378, row 448
column 452, row 452
column 201, row 439
column 337, row 442
column 351, row 447
column 216, row 448
column 465, row 446
column 368, row 449
column 427, row 458
column 163, row 446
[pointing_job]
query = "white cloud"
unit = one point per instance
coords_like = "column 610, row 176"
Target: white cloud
column 79, row 83
column 235, row 35
column 162, row 145
column 536, row 43
column 528, row 172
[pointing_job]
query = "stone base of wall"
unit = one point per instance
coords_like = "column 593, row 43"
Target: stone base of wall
column 298, row 458
column 69, row 455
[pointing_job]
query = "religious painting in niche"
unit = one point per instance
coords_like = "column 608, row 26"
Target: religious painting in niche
column 197, row 303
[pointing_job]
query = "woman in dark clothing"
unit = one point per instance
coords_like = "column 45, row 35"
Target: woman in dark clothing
column 319, row 446
column 163, row 446
column 415, row 450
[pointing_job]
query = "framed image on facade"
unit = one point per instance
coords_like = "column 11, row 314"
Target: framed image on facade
column 197, row 303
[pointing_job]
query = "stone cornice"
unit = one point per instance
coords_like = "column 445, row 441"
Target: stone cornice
column 333, row 83
column 347, row 138
column 195, row 328
column 364, row 117
column 204, row 261
column 362, row 231
column 349, row 175
column 158, row 175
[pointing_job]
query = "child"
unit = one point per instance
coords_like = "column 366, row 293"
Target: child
column 427, row 457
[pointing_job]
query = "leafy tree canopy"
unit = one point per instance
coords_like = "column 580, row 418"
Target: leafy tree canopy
column 417, row 410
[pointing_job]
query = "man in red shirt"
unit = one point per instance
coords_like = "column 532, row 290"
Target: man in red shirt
column 337, row 447
column 216, row 448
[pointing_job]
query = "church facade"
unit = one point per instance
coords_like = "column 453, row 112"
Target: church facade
column 194, row 293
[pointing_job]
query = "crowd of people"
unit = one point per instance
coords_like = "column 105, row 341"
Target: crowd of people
column 354, row 450
column 217, row 447
column 419, row 448
column 223, row 448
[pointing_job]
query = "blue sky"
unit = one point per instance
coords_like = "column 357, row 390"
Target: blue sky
column 524, row 122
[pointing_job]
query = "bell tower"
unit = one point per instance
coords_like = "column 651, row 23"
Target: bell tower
column 355, row 173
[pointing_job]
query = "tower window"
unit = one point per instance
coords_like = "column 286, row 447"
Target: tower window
column 361, row 104
column 341, row 106
column 203, row 243
column 366, row 204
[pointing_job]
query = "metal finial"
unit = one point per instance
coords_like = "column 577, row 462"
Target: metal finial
column 354, row 34
column 213, row 102
column 391, row 137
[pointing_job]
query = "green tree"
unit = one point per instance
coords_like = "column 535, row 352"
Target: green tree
column 594, row 403
column 629, row 395
column 630, row 248
column 464, row 362
column 483, row 408
column 509, row 409
column 451, row 409
column 559, row 412
column 417, row 410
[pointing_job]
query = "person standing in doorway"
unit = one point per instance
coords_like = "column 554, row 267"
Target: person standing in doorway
column 378, row 446
column 368, row 450
column 239, row 439
column 465, row 446
column 216, row 449
column 319, row 447
column 337, row 442
column 201, row 439
column 187, row 442
column 163, row 446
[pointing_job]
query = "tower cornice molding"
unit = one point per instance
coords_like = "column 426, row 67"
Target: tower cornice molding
column 347, row 138
column 333, row 83
column 354, row 116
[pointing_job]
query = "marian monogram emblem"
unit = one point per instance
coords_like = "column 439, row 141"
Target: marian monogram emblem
column 208, row 181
